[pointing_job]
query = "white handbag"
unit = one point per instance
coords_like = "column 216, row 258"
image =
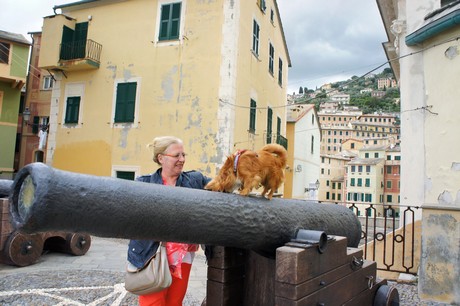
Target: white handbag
column 154, row 277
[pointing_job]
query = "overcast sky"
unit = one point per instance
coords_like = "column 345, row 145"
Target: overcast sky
column 328, row 41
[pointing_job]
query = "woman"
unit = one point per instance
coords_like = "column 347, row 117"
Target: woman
column 168, row 153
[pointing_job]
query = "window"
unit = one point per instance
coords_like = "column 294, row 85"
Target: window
column 272, row 16
column 73, row 43
column 388, row 157
column 271, row 57
column 360, row 169
column 125, row 102
column 312, row 150
column 72, row 110
column 48, row 82
column 353, row 169
column 252, row 117
column 360, row 182
column 368, row 169
column 368, row 197
column 389, row 198
column 327, row 195
column 397, row 157
column 4, row 53
column 278, row 130
column 389, row 184
column 388, row 169
column 126, row 175
column 352, row 145
column 352, row 182
column 269, row 125
column 376, row 155
column 280, row 72
column 262, row 5
column 170, row 21
column 339, row 185
column 255, row 38
column 366, row 155
column 368, row 182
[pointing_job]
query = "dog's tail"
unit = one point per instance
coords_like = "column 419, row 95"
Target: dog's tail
column 279, row 151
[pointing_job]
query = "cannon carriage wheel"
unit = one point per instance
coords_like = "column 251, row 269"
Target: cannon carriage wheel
column 23, row 249
column 77, row 243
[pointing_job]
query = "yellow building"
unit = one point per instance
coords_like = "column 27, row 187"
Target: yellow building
column 211, row 72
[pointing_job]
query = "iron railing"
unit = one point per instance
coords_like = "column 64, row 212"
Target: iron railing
column 393, row 228
column 281, row 140
column 83, row 49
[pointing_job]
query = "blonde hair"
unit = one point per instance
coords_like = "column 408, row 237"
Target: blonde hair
column 159, row 145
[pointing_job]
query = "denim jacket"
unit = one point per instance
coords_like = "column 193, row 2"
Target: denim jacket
column 140, row 251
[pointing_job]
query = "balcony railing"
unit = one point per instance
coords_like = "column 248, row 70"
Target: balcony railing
column 83, row 50
column 387, row 230
column 282, row 141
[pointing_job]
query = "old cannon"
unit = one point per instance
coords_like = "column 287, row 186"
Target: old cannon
column 22, row 249
column 259, row 247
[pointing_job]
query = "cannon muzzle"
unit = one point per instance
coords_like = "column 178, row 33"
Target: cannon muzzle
column 5, row 187
column 45, row 199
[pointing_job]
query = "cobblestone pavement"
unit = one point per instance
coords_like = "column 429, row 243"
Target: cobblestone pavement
column 97, row 279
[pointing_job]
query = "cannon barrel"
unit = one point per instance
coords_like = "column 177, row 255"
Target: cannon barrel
column 5, row 187
column 44, row 198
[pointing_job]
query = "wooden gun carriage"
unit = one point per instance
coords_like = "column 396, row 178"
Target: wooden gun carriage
column 266, row 252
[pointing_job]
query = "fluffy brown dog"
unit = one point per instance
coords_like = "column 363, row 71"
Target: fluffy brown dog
column 248, row 169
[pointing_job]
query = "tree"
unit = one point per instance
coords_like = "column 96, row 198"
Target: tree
column 301, row 90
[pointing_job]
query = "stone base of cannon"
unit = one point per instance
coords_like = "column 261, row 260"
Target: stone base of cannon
column 21, row 249
column 299, row 275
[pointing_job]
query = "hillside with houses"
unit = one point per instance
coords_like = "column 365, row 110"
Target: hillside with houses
column 371, row 93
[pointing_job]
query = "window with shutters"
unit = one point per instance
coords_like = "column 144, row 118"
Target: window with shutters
column 4, row 53
column 48, row 82
column 262, row 5
column 255, row 38
column 252, row 116
column 280, row 72
column 271, row 53
column 72, row 110
column 125, row 102
column 170, row 21
column 269, row 125
column 126, row 175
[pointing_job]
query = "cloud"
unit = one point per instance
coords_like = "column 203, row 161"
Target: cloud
column 331, row 40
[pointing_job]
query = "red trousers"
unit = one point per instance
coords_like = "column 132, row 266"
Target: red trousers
column 172, row 296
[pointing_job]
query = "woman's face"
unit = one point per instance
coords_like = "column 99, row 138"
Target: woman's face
column 173, row 159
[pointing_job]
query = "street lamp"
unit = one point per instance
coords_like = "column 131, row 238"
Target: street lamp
column 26, row 115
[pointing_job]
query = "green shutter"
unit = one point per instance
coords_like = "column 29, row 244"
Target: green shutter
column 36, row 124
column 72, row 110
column 252, row 117
column 67, row 43
column 125, row 102
column 170, row 21
column 269, row 125
column 126, row 175
column 81, row 33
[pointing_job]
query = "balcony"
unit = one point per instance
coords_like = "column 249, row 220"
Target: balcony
column 282, row 141
column 79, row 55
